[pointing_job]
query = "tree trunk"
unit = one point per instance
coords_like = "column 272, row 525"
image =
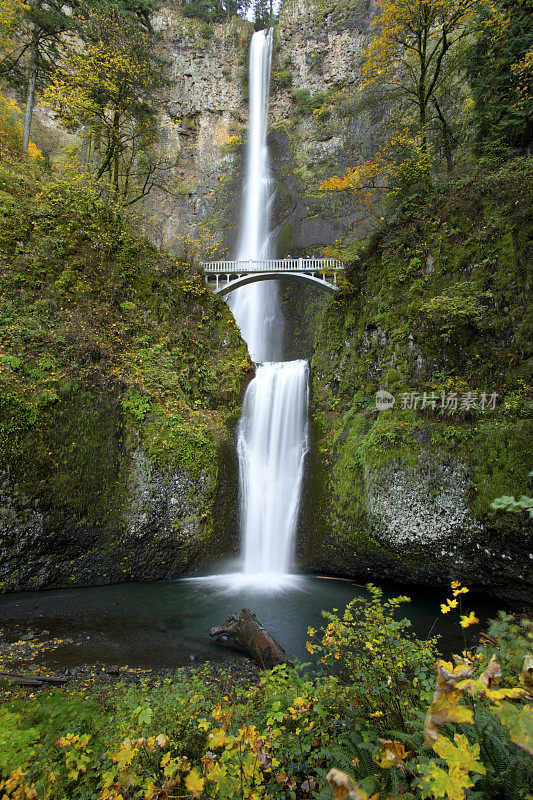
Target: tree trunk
column 244, row 632
column 30, row 97
column 447, row 138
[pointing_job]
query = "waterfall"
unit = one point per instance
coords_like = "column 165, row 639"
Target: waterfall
column 273, row 429
column 272, row 445
column 256, row 307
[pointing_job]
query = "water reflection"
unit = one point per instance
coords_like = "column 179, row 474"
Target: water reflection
column 163, row 624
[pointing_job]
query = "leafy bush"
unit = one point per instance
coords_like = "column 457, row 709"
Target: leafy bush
column 460, row 305
column 206, row 30
column 306, row 103
column 389, row 669
column 281, row 79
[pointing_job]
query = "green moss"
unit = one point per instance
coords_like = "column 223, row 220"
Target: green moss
column 105, row 343
column 438, row 303
column 498, row 455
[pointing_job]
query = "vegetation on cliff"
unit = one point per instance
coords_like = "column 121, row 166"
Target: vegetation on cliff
column 86, row 301
column 107, row 346
column 437, row 313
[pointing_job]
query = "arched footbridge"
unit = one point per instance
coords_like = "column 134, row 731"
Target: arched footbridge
column 225, row 276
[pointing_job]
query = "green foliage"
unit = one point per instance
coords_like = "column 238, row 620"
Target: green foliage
column 214, row 10
column 16, row 742
column 206, row 30
column 389, row 669
column 200, row 734
column 108, row 90
column 509, row 638
column 137, row 405
column 281, row 79
column 439, row 294
column 460, row 305
column 509, row 503
column 306, row 103
column 106, row 344
column 503, row 105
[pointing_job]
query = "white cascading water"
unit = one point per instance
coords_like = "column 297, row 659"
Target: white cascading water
column 273, row 430
column 271, row 447
column 256, row 307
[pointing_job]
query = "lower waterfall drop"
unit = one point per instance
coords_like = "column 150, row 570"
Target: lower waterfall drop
column 272, row 443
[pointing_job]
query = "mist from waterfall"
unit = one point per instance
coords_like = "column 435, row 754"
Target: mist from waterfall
column 273, row 429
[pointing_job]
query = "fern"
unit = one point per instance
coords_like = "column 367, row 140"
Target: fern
column 512, row 770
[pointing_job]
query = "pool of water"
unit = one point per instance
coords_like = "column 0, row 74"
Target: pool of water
column 162, row 624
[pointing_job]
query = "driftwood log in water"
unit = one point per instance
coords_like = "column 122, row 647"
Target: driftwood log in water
column 33, row 680
column 244, row 632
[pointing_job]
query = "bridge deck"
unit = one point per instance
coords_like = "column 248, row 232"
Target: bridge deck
column 273, row 265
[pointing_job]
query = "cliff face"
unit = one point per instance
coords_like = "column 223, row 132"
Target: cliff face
column 120, row 380
column 112, row 442
column 439, row 307
column 319, row 124
column 205, row 116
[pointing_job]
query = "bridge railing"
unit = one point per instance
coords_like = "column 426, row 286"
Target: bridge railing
column 273, row 265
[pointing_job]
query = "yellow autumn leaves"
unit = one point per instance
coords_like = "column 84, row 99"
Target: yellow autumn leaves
column 465, row 619
column 11, row 131
column 10, row 15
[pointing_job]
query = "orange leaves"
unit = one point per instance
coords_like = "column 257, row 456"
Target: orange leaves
column 391, row 753
column 399, row 161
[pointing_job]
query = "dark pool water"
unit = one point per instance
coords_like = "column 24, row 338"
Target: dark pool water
column 162, row 624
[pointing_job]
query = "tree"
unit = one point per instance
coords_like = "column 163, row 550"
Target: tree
column 11, row 12
column 416, row 64
column 263, row 14
column 214, row 10
column 32, row 51
column 502, row 80
column 418, row 45
column 108, row 91
column 38, row 37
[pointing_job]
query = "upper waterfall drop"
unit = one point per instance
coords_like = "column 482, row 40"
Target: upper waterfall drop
column 256, row 307
column 258, row 190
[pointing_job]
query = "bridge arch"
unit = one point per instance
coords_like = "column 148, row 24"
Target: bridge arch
column 244, row 280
